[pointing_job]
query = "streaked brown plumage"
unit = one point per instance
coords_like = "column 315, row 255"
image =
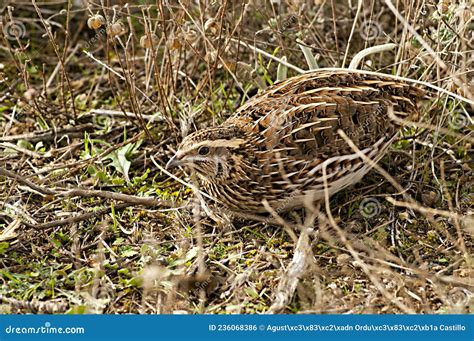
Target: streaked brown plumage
column 276, row 145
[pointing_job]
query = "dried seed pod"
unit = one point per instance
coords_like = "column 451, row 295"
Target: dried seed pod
column 211, row 26
column 230, row 65
column 443, row 6
column 464, row 12
column 148, row 40
column 190, row 35
column 174, row 43
column 188, row 32
column 96, row 21
column 211, row 57
column 116, row 29
column 30, row 94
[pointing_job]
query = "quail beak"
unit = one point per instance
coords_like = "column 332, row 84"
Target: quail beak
column 173, row 162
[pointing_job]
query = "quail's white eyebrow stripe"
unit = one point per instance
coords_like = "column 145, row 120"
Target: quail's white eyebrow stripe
column 235, row 143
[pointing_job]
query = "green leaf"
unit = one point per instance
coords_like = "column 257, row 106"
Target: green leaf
column 25, row 144
column 119, row 241
column 4, row 247
column 308, row 55
column 121, row 158
column 251, row 292
column 78, row 309
column 191, row 254
column 282, row 70
column 128, row 252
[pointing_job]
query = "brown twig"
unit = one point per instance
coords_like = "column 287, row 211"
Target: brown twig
column 78, row 218
column 51, row 134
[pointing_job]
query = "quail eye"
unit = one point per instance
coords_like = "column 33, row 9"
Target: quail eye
column 203, row 150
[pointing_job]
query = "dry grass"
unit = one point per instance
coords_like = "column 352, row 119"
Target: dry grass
column 89, row 222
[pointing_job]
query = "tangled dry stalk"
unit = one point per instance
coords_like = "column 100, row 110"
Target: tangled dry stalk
column 96, row 94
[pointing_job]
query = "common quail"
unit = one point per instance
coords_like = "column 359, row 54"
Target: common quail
column 276, row 145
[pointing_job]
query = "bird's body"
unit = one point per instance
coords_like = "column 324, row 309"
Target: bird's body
column 277, row 146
